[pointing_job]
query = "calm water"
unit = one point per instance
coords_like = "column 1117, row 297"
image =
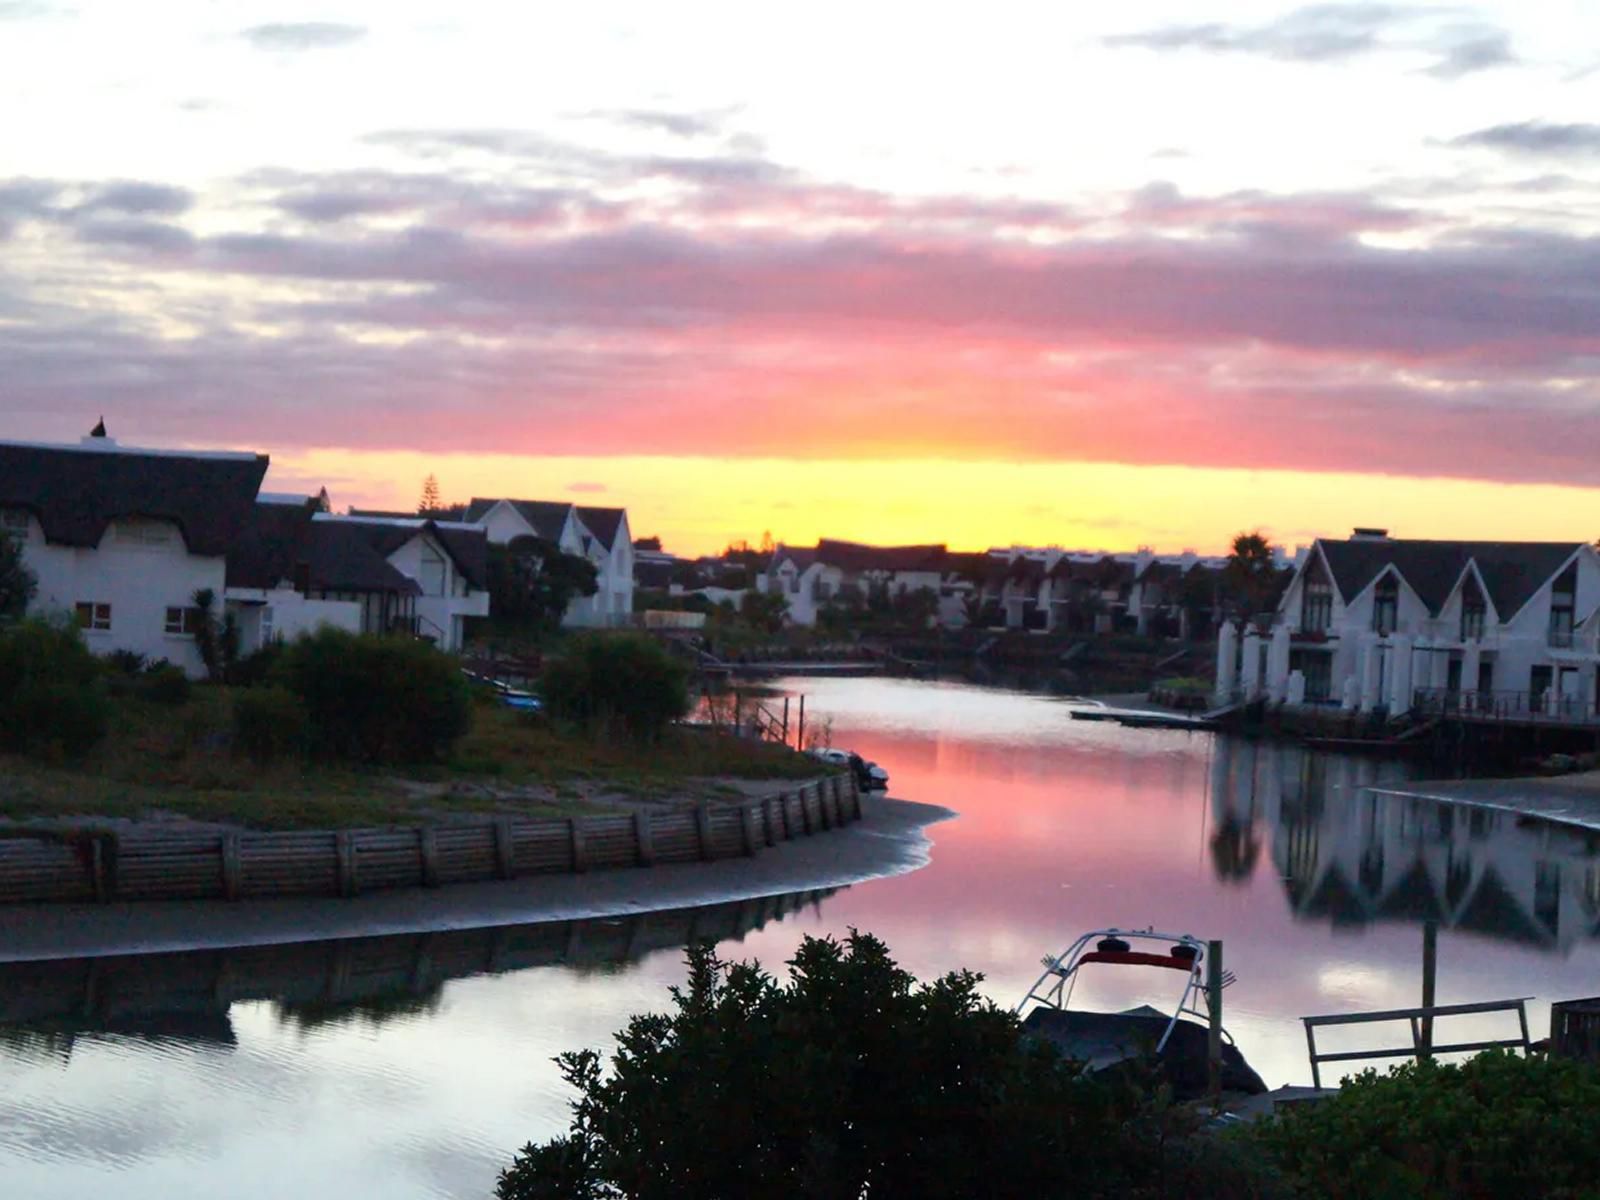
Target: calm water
column 350, row 1069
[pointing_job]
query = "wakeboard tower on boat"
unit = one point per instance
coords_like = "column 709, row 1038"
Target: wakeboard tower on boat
column 1177, row 1047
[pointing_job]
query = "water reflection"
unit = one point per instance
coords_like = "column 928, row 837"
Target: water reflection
column 47, row 1007
column 1353, row 855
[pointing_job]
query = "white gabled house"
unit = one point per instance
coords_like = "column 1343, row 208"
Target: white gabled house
column 122, row 538
column 1378, row 624
column 600, row 535
column 811, row 578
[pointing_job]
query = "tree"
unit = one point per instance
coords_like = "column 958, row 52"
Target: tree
column 216, row 639
column 763, row 611
column 532, row 582
column 849, row 1079
column 430, row 496
column 625, row 683
column 1251, row 574
column 17, row 583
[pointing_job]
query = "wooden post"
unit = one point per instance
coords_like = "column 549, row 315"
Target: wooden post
column 800, row 729
column 805, row 811
column 100, row 870
column 232, row 867
column 1430, row 969
column 644, row 844
column 428, row 852
column 702, row 830
column 783, row 814
column 344, row 849
column 505, row 849
column 580, row 853
column 747, row 830
column 1214, row 1007
column 786, row 720
column 769, row 833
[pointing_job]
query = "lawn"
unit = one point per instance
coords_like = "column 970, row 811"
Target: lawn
column 176, row 760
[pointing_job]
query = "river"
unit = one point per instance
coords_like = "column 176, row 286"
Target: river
column 349, row 1070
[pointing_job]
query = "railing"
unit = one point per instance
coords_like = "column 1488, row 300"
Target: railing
column 1505, row 706
column 1421, row 1020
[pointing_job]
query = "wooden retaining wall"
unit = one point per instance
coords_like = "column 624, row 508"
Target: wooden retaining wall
column 207, row 865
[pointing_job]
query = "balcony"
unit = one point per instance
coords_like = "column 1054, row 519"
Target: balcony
column 1510, row 707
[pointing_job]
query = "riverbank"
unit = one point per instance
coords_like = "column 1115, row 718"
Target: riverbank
column 889, row 840
column 1571, row 799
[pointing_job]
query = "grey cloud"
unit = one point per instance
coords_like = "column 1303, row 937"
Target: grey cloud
column 133, row 233
column 133, row 196
column 27, row 10
column 678, row 124
column 1321, row 33
column 302, row 35
column 1537, row 137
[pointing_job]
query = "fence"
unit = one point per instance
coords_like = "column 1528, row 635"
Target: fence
column 154, row 865
column 1422, row 1043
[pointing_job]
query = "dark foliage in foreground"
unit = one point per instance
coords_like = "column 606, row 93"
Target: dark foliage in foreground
column 624, row 683
column 52, row 696
column 852, row 1080
column 1497, row 1126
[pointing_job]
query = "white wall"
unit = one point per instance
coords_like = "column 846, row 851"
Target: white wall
column 140, row 579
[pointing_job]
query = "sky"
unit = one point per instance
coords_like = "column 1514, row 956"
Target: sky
column 1089, row 275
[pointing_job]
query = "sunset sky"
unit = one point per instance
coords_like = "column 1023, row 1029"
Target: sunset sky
column 1093, row 275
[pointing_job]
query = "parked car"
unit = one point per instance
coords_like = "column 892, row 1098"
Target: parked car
column 869, row 775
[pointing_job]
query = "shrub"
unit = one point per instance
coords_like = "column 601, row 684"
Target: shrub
column 623, row 682
column 165, row 684
column 376, row 699
column 269, row 724
column 852, row 1080
column 52, row 697
column 1497, row 1125
column 125, row 662
column 256, row 667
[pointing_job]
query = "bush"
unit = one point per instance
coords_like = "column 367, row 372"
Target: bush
column 1497, row 1125
column 376, row 699
column 270, row 724
column 165, row 684
column 852, row 1080
column 52, row 697
column 624, row 682
column 256, row 667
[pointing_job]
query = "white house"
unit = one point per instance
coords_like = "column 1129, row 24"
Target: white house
column 122, row 538
column 297, row 567
column 1378, row 624
column 811, row 578
column 601, row 535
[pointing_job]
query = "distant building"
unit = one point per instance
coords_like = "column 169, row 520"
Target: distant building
column 1374, row 623
column 599, row 534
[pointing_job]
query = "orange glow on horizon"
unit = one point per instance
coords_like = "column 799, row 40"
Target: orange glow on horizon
column 698, row 505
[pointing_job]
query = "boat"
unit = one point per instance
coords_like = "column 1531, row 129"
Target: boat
column 1176, row 1043
column 869, row 775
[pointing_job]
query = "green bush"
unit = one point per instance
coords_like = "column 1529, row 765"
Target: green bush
column 376, row 699
column 165, row 684
column 626, row 683
column 256, row 667
column 851, row 1080
column 270, row 724
column 52, row 695
column 1497, row 1125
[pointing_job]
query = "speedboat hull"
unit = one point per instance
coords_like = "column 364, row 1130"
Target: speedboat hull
column 1111, row 1041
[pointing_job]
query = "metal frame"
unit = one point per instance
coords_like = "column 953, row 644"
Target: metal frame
column 1053, row 989
column 1421, row 1032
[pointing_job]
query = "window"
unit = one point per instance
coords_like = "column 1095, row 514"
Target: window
column 1385, row 605
column 266, row 625
column 433, row 571
column 14, row 521
column 144, row 533
column 93, row 615
column 182, row 620
column 1563, row 600
column 1316, row 601
column 1472, row 611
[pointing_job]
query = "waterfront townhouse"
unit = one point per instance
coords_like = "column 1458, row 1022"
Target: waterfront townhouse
column 122, row 538
column 810, row 578
column 601, row 535
column 1384, row 625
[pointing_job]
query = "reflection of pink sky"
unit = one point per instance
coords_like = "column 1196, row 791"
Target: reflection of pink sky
column 1072, row 832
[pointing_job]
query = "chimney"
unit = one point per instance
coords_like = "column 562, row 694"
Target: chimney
column 98, row 438
column 1366, row 534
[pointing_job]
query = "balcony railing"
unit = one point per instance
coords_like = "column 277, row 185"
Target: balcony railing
column 1506, row 706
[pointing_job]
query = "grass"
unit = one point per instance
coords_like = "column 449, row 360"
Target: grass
column 177, row 759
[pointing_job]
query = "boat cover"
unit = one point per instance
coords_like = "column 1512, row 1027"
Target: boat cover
column 1103, row 1041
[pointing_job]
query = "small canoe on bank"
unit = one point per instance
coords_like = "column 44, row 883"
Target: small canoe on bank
column 1176, row 1043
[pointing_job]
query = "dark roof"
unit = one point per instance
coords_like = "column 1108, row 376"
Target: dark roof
column 1512, row 571
column 353, row 557
column 651, row 573
column 603, row 523
column 799, row 555
column 546, row 517
column 854, row 556
column 269, row 545
column 76, row 493
column 972, row 565
column 1493, row 910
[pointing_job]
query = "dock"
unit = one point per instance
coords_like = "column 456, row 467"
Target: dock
column 1150, row 718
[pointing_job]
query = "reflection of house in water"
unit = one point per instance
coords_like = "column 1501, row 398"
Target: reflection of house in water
column 185, row 997
column 1354, row 855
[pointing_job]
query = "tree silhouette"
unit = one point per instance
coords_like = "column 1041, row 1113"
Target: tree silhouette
column 430, row 496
